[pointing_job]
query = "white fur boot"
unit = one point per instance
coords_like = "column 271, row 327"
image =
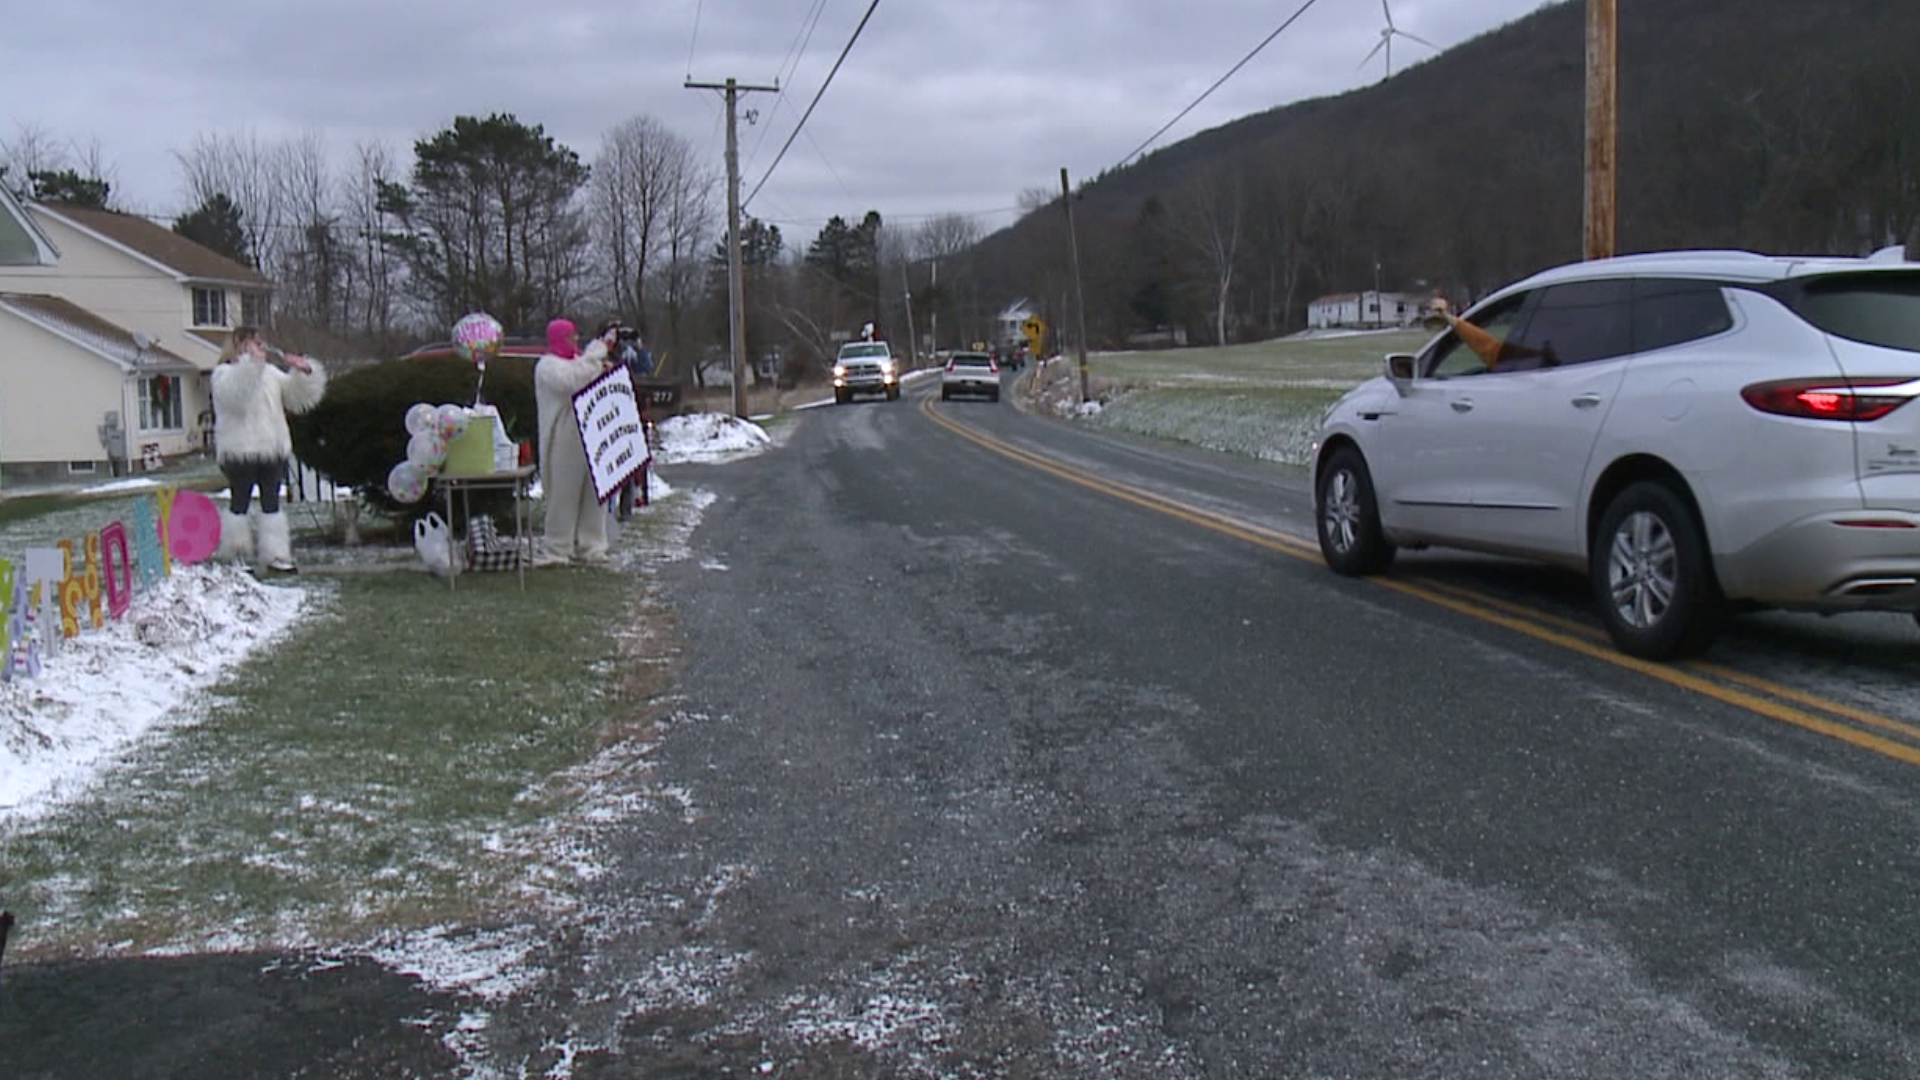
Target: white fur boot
column 236, row 538
column 276, row 545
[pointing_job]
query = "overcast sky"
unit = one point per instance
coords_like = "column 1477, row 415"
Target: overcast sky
column 942, row 105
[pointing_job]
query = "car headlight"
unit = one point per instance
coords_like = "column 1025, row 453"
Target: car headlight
column 839, row 371
column 886, row 367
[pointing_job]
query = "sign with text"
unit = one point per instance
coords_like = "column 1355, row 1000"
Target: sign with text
column 610, row 431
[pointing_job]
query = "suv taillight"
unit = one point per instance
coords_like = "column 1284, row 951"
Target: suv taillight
column 1831, row 399
column 993, row 367
column 949, row 365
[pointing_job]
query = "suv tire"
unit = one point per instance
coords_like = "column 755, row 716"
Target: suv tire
column 1652, row 575
column 1347, row 518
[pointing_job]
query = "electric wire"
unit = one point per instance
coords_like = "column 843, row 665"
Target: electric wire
column 788, row 66
column 1217, row 83
column 697, row 8
column 816, row 100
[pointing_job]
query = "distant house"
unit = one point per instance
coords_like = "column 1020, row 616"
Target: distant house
column 1364, row 310
column 109, row 326
column 1007, row 323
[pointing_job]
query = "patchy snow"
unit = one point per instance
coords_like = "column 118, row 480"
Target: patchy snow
column 709, row 437
column 122, row 487
column 107, row 687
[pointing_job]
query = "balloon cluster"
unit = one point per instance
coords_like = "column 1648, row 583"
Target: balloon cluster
column 429, row 429
column 477, row 337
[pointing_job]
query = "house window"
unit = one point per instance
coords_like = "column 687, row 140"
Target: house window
column 254, row 308
column 160, row 403
column 209, row 307
column 82, row 468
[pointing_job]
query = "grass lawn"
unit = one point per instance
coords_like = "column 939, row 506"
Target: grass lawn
column 1262, row 400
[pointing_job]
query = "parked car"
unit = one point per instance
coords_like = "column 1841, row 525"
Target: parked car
column 1696, row 431
column 865, row 367
column 973, row 373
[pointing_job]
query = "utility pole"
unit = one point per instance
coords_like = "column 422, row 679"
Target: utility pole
column 1079, row 297
column 933, row 315
column 736, row 288
column 1602, row 125
column 906, row 286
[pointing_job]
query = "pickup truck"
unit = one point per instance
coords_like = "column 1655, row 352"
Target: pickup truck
column 865, row 367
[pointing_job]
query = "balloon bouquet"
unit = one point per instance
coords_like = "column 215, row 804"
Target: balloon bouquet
column 476, row 338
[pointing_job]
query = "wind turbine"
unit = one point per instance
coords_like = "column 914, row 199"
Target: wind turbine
column 1386, row 42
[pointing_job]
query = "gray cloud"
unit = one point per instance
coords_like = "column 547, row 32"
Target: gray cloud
column 941, row 107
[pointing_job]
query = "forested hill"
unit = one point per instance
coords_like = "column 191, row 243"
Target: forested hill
column 1774, row 125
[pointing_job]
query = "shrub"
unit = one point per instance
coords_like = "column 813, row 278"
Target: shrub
column 358, row 432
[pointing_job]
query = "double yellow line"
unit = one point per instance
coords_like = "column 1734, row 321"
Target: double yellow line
column 1763, row 697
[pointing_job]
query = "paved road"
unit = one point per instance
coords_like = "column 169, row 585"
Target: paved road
column 1004, row 749
column 1000, row 771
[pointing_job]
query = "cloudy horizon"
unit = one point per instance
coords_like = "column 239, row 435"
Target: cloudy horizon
column 952, row 108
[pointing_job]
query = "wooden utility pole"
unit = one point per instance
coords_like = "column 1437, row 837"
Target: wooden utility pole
column 1079, row 297
column 736, row 287
column 1602, row 126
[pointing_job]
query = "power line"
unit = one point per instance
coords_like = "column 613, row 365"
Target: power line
column 1217, row 83
column 816, row 100
column 696, row 37
column 789, row 66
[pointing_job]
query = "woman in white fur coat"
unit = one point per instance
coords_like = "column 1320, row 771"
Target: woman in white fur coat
column 576, row 524
column 251, row 400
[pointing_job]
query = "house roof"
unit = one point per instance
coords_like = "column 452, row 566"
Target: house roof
column 22, row 240
column 156, row 244
column 1019, row 309
column 76, row 324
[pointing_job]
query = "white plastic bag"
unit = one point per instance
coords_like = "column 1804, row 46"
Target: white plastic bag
column 435, row 544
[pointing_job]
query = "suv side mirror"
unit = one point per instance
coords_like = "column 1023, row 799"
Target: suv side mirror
column 1400, row 365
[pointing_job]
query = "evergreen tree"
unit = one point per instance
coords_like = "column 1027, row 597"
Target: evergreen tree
column 70, row 188
column 215, row 224
column 490, row 222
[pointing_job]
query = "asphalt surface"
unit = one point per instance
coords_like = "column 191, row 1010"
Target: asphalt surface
column 986, row 772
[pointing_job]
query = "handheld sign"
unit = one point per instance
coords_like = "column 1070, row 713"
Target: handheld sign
column 609, row 419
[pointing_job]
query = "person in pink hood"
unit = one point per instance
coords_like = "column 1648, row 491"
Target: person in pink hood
column 576, row 523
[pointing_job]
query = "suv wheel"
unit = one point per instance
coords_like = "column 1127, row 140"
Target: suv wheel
column 893, row 393
column 841, row 395
column 1652, row 575
column 1348, row 517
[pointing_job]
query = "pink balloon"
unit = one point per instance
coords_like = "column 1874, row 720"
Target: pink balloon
column 193, row 527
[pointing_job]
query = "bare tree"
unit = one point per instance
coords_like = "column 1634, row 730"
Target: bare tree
column 946, row 236
column 1035, row 199
column 1206, row 218
column 246, row 170
column 692, row 219
column 373, row 289
column 635, row 181
column 32, row 149
column 312, row 264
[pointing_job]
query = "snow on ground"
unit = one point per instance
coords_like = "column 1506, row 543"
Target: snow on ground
column 108, row 687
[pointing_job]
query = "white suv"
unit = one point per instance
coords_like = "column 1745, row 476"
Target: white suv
column 1693, row 430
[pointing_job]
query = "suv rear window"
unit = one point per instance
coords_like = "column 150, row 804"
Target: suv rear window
column 971, row 360
column 1875, row 308
column 1672, row 311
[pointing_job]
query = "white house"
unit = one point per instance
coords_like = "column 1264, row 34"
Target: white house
column 109, row 326
column 1007, row 323
column 1364, row 309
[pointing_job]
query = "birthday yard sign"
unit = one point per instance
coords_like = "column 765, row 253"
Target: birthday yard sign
column 610, row 430
column 52, row 593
